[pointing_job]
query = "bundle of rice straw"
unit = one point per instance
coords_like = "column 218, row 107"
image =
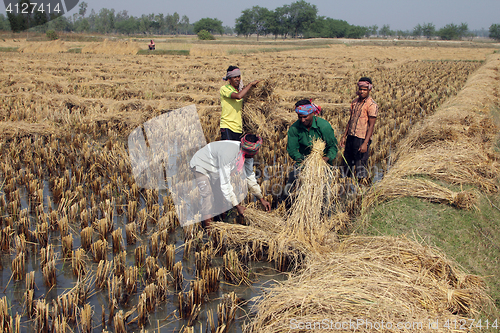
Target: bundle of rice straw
column 110, row 47
column 255, row 121
column 262, row 113
column 264, row 93
column 309, row 221
column 394, row 187
column 372, row 284
column 55, row 46
column 259, row 240
column 13, row 129
column 456, row 165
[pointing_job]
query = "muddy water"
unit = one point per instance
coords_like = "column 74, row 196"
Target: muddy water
column 164, row 319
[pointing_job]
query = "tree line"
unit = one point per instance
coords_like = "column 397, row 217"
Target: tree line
column 299, row 19
column 105, row 21
column 448, row 32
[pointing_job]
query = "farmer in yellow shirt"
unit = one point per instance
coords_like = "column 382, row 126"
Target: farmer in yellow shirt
column 231, row 100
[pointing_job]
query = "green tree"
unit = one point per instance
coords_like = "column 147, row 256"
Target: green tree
column 417, row 30
column 83, row 25
column 40, row 18
column 328, row 28
column 463, row 30
column 282, row 21
column 51, row 35
column 83, row 8
column 428, row 30
column 16, row 22
column 22, row 21
column 4, row 23
column 301, row 14
column 205, row 35
column 403, row 34
column 279, row 21
column 184, row 24
column 453, row 31
column 143, row 24
column 373, row 29
column 243, row 25
column 127, row 26
column 105, row 21
column 172, row 23
column 253, row 20
column 495, row 31
column 356, row 31
column 211, row 25
column 260, row 19
column 386, row 30
column 59, row 23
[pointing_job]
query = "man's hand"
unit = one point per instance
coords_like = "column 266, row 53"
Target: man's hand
column 240, row 209
column 363, row 148
column 254, row 83
column 326, row 158
column 266, row 204
column 342, row 142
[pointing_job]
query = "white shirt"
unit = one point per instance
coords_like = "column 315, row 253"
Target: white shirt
column 218, row 159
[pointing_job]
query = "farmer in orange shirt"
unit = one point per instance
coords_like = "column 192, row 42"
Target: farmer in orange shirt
column 359, row 131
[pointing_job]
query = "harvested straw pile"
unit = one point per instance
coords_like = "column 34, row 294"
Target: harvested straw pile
column 109, row 47
column 456, row 165
column 309, row 221
column 307, row 228
column 56, row 46
column 260, row 239
column 456, row 145
column 395, row 187
column 262, row 113
column 372, row 280
column 12, row 129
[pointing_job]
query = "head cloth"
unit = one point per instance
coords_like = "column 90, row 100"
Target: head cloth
column 234, row 73
column 305, row 110
column 365, row 84
column 250, row 147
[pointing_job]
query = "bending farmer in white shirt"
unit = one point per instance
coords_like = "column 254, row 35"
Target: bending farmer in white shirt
column 216, row 161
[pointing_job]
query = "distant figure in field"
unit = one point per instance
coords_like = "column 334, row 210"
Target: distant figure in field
column 358, row 134
column 231, row 100
column 151, row 45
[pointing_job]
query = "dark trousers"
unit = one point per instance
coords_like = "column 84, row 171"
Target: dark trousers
column 227, row 134
column 355, row 163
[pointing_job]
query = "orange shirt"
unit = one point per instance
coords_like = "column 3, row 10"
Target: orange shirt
column 360, row 111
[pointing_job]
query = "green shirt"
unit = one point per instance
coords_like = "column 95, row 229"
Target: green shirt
column 300, row 139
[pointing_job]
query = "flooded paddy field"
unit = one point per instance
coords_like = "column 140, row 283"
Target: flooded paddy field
column 85, row 249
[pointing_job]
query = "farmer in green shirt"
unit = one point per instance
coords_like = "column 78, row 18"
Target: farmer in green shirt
column 303, row 132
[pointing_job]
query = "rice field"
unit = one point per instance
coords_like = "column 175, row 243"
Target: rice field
column 84, row 247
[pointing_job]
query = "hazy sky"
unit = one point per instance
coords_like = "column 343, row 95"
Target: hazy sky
column 399, row 14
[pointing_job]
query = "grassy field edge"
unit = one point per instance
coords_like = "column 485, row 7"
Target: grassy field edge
column 470, row 237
